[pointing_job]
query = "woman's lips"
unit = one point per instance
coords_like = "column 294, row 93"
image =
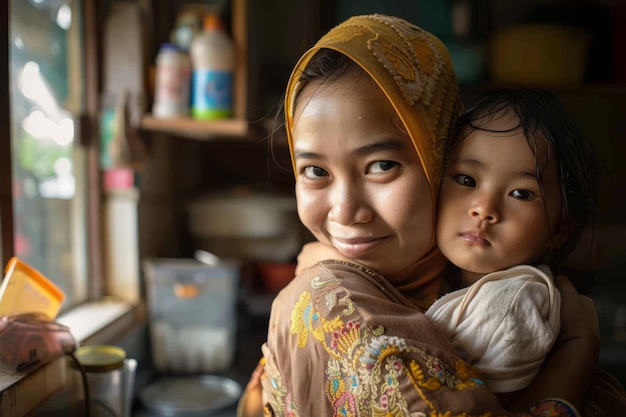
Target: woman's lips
column 356, row 247
column 475, row 237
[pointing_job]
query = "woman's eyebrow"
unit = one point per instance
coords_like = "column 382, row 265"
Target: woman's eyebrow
column 307, row 155
column 388, row 145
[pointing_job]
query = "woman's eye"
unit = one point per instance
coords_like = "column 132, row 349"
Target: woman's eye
column 383, row 166
column 465, row 180
column 523, row 194
column 314, row 172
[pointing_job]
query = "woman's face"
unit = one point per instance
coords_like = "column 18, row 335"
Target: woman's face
column 360, row 184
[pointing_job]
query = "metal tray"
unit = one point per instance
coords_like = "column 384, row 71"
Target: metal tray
column 190, row 396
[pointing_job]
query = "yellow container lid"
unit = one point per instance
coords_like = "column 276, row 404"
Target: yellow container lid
column 100, row 358
column 26, row 290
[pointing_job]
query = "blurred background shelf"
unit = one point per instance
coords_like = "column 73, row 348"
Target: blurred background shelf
column 198, row 129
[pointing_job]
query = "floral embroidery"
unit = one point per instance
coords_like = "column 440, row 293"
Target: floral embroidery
column 366, row 371
column 300, row 316
column 345, row 405
column 331, row 300
column 318, row 283
column 378, row 331
column 350, row 307
column 380, row 348
column 375, row 388
column 305, row 320
column 286, row 407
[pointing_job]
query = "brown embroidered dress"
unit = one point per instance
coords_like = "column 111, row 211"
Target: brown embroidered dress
column 344, row 331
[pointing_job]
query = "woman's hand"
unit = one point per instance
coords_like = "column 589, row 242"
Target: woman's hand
column 314, row 252
column 251, row 402
column 579, row 320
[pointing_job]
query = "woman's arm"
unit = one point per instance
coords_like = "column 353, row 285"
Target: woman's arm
column 314, row 252
column 568, row 369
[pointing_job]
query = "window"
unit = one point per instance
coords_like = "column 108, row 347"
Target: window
column 49, row 170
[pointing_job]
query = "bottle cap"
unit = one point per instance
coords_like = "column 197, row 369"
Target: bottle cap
column 212, row 22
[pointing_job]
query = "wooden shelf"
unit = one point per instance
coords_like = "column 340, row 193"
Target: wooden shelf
column 236, row 128
column 198, row 129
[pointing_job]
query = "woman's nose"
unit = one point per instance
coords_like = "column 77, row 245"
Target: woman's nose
column 485, row 208
column 349, row 205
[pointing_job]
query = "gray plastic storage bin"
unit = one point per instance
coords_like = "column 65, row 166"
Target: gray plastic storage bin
column 192, row 314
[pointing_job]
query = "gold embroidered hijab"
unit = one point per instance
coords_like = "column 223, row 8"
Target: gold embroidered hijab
column 413, row 69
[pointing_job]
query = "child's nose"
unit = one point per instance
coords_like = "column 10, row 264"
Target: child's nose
column 485, row 208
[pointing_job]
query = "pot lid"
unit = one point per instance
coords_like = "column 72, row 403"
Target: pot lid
column 190, row 395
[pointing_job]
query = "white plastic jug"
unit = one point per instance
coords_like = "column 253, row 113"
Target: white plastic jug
column 213, row 60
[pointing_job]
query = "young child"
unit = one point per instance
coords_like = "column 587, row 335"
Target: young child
column 368, row 111
column 519, row 187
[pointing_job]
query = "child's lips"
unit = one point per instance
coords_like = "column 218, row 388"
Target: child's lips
column 475, row 237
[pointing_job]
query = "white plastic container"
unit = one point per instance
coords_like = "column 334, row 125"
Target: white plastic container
column 172, row 83
column 192, row 314
column 213, row 59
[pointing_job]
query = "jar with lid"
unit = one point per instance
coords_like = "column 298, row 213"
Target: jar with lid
column 213, row 59
column 109, row 376
column 172, row 82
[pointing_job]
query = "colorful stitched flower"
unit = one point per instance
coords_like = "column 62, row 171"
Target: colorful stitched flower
column 290, row 407
column 345, row 405
column 301, row 317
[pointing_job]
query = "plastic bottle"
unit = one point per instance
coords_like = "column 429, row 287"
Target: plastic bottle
column 188, row 24
column 213, row 60
column 172, row 82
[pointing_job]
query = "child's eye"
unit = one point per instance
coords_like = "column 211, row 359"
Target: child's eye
column 465, row 180
column 314, row 172
column 523, row 195
column 383, row 166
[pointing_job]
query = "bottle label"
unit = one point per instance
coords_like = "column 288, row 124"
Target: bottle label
column 212, row 96
column 171, row 96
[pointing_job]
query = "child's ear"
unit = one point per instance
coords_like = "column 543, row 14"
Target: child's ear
column 562, row 233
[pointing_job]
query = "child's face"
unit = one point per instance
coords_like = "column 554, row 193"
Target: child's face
column 492, row 211
column 360, row 184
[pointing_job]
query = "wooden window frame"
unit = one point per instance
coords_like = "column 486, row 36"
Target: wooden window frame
column 88, row 128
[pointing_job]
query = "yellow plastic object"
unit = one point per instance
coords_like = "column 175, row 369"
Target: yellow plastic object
column 539, row 55
column 26, row 290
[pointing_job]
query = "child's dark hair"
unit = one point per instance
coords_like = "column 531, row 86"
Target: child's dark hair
column 542, row 117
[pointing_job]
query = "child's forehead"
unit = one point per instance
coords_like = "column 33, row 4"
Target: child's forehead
column 504, row 120
column 501, row 124
column 502, row 127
